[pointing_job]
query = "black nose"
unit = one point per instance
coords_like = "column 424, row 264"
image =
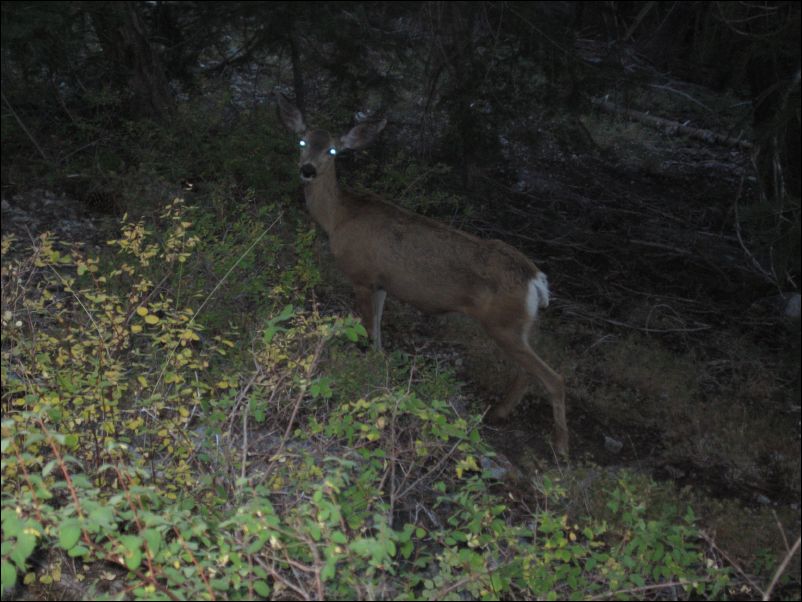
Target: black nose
column 308, row 171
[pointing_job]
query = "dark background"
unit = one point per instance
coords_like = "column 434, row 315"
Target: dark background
column 646, row 155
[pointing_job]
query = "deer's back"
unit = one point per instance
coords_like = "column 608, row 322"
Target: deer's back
column 424, row 262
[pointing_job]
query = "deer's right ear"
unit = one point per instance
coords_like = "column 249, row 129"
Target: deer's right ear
column 290, row 115
column 362, row 135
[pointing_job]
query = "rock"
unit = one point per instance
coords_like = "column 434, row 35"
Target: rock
column 612, row 445
column 792, row 306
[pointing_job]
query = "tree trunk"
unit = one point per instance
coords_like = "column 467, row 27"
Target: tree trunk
column 137, row 68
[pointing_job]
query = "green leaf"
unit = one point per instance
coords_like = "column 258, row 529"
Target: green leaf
column 23, row 549
column 102, row 517
column 153, row 539
column 272, row 327
column 256, row 545
column 48, row 468
column 133, row 559
column 12, row 525
column 496, row 582
column 77, row 551
column 261, row 588
column 69, row 534
column 363, row 546
column 133, row 551
column 328, row 570
column 339, row 537
column 9, row 576
column 314, row 531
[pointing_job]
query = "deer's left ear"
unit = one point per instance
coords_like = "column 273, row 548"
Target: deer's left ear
column 362, row 135
column 290, row 115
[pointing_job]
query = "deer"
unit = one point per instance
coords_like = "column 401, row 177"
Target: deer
column 383, row 249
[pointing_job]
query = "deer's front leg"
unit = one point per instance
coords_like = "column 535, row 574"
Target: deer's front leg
column 377, row 300
column 370, row 304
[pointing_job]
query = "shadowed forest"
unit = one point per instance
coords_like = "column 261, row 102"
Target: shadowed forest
column 192, row 407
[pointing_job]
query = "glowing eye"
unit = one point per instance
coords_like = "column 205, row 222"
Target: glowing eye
column 332, row 151
column 302, row 143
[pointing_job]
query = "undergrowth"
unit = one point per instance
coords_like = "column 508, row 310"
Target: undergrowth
column 145, row 434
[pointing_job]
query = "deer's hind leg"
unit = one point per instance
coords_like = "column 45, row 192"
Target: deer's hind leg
column 514, row 341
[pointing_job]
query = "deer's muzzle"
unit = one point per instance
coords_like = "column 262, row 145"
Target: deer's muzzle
column 308, row 171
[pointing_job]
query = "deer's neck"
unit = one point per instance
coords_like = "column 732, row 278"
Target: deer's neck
column 323, row 199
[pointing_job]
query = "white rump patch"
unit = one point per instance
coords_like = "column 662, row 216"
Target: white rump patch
column 537, row 295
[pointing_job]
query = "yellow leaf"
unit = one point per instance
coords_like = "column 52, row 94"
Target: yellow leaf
column 152, row 319
column 189, row 335
column 135, row 328
column 142, row 311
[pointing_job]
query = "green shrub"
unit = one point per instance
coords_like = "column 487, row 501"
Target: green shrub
column 141, row 436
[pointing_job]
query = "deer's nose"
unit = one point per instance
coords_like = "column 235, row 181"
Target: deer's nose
column 308, row 171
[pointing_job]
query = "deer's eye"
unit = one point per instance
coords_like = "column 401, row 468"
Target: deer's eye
column 302, row 143
column 332, row 151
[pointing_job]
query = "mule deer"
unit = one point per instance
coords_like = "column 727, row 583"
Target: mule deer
column 384, row 249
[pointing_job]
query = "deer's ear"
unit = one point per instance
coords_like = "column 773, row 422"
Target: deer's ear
column 290, row 115
column 362, row 135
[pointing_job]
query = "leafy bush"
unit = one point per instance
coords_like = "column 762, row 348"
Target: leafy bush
column 140, row 436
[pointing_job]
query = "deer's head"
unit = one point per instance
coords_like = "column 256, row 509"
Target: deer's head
column 319, row 147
